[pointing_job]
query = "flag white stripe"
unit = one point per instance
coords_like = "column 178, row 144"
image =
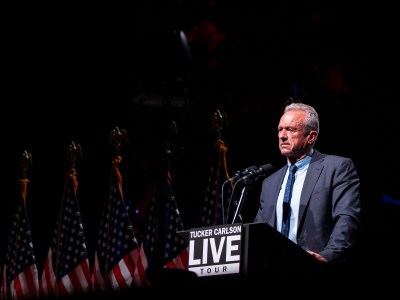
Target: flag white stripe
column 67, row 284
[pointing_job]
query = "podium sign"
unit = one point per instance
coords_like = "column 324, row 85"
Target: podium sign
column 248, row 250
column 215, row 250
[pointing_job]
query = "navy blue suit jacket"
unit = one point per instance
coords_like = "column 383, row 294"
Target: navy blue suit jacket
column 329, row 212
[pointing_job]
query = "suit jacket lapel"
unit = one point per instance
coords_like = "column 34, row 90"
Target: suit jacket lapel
column 313, row 173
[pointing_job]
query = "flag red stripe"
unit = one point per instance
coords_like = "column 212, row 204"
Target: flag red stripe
column 130, row 262
column 25, row 285
column 184, row 257
column 32, row 279
column 61, row 290
column 139, row 277
column 16, row 289
column 85, row 270
column 117, row 278
column 76, row 281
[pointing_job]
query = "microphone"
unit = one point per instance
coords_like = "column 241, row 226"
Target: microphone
column 240, row 174
column 255, row 174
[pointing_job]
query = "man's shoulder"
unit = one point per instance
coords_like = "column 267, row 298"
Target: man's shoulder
column 333, row 160
column 337, row 163
column 330, row 157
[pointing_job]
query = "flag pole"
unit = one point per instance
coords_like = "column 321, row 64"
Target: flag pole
column 163, row 181
column 219, row 121
column 26, row 163
column 73, row 152
column 117, row 136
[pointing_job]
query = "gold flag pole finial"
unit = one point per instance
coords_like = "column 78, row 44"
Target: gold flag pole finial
column 26, row 163
column 117, row 136
column 218, row 122
column 73, row 152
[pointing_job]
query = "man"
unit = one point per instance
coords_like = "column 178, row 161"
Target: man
column 323, row 213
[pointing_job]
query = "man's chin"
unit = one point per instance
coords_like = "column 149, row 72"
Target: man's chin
column 285, row 152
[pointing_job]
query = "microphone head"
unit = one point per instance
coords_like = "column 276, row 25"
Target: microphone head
column 256, row 174
column 249, row 170
column 266, row 168
column 240, row 174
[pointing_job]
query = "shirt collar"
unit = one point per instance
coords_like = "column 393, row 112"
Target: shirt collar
column 305, row 161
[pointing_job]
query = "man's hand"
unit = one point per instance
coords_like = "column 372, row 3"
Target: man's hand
column 317, row 256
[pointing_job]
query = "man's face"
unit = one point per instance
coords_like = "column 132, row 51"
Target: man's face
column 293, row 141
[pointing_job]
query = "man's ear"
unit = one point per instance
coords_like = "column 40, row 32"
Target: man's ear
column 312, row 136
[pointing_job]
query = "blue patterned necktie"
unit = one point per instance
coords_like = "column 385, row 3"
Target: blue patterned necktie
column 286, row 201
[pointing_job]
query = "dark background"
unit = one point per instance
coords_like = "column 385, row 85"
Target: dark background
column 74, row 73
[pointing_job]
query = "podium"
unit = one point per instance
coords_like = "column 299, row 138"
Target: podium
column 267, row 251
column 252, row 249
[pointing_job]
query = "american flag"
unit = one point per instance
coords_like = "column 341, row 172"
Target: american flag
column 66, row 270
column 162, row 246
column 213, row 212
column 117, row 263
column 20, row 275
